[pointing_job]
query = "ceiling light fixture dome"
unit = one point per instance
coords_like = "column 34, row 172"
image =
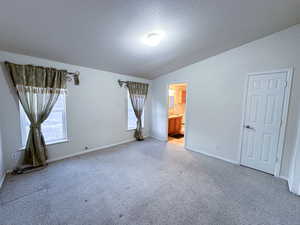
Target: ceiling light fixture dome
column 153, row 38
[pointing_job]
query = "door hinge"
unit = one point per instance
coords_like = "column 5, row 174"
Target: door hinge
column 285, row 83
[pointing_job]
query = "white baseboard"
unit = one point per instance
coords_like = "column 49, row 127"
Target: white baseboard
column 212, row 155
column 2, row 180
column 158, row 138
column 90, row 150
column 290, row 184
column 76, row 154
column 295, row 189
column 232, row 161
column 284, row 178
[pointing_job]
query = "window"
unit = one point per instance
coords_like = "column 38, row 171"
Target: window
column 54, row 128
column 131, row 119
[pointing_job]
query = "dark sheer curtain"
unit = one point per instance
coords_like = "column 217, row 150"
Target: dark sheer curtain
column 138, row 94
column 38, row 89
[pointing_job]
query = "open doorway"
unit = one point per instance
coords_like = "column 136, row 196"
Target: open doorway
column 177, row 113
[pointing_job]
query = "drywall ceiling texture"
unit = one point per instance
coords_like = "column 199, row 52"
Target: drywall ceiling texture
column 215, row 95
column 107, row 34
column 96, row 111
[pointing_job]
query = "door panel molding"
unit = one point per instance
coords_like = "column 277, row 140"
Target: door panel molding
column 285, row 109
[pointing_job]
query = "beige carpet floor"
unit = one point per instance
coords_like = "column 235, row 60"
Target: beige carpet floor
column 143, row 183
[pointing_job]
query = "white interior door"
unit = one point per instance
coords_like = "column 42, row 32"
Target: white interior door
column 262, row 120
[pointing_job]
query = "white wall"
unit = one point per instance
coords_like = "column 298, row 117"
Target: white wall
column 294, row 176
column 96, row 113
column 215, row 95
column 2, row 170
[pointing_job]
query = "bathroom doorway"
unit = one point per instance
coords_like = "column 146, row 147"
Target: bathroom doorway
column 177, row 113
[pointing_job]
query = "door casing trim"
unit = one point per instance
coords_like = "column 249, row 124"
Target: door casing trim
column 285, row 110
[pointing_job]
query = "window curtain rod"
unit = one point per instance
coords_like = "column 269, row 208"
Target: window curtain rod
column 123, row 83
column 73, row 76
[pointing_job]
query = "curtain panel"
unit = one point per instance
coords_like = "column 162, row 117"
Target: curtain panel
column 138, row 94
column 38, row 89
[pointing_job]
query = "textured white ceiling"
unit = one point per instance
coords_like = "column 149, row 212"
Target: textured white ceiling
column 106, row 34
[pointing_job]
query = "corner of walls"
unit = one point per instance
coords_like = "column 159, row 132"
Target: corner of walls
column 215, row 101
column 294, row 173
column 2, row 168
column 212, row 155
column 158, row 138
column 2, row 178
column 96, row 110
column 290, row 178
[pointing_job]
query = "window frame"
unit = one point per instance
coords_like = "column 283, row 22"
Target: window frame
column 24, row 135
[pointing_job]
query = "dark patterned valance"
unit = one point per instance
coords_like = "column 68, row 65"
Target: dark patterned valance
column 36, row 76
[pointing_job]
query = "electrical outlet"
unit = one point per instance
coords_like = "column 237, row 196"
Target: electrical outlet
column 14, row 156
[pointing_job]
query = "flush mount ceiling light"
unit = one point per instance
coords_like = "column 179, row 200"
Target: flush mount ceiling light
column 153, row 38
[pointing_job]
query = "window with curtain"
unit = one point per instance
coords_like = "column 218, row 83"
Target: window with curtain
column 54, row 128
column 131, row 119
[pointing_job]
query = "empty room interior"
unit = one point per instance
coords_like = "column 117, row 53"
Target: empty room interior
column 150, row 112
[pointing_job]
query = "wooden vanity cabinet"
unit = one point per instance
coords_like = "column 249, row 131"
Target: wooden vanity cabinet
column 175, row 125
column 183, row 96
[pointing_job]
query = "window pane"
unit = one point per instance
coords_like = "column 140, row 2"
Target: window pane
column 131, row 115
column 54, row 128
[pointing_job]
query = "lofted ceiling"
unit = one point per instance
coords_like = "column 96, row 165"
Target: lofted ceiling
column 106, row 35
